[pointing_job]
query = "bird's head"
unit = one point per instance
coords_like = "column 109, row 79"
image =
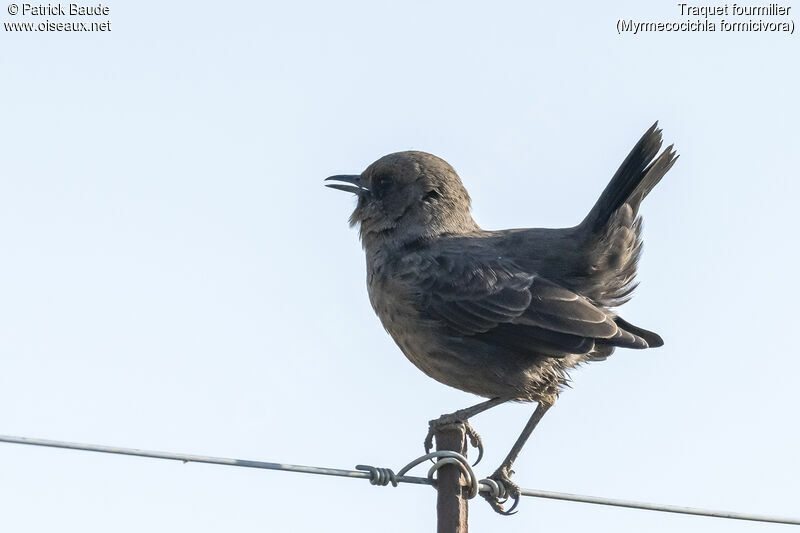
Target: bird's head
column 406, row 196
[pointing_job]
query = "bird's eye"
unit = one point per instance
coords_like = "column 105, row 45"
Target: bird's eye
column 431, row 196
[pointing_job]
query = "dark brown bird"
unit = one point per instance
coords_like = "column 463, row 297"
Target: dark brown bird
column 501, row 314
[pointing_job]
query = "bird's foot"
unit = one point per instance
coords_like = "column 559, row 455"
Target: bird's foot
column 505, row 489
column 444, row 420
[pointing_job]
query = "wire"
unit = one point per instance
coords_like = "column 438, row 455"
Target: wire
column 658, row 507
column 204, row 459
column 360, row 474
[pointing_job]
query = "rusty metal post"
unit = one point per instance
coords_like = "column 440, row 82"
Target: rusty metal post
column 451, row 505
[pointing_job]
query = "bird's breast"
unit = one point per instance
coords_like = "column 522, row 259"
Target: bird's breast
column 390, row 300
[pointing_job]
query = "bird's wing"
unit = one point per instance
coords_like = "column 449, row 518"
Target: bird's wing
column 501, row 303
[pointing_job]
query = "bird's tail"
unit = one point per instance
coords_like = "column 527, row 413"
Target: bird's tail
column 636, row 177
column 611, row 233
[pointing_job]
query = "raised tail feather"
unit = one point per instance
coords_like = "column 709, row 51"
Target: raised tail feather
column 634, row 179
column 611, row 239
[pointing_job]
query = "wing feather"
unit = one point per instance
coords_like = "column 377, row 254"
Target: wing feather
column 497, row 302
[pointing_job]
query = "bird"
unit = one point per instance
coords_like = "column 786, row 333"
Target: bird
column 502, row 314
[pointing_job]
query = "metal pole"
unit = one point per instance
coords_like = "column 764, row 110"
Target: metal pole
column 451, row 505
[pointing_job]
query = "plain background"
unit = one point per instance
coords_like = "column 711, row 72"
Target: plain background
column 174, row 276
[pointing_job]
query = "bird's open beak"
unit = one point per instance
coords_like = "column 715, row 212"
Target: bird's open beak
column 354, row 180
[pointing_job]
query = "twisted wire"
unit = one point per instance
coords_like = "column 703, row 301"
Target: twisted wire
column 379, row 476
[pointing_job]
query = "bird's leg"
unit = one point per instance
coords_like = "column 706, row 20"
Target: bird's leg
column 462, row 415
column 503, row 474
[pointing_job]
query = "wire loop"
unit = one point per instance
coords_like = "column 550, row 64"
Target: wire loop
column 384, row 476
column 496, row 490
column 463, row 464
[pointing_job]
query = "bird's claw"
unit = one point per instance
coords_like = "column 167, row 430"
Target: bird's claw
column 507, row 488
column 475, row 441
column 474, row 438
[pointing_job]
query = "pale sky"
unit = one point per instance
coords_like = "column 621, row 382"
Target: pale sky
column 174, row 275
